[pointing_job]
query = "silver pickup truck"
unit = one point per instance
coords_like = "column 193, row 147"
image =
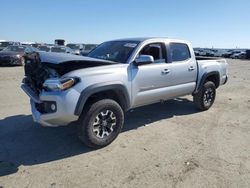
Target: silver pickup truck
column 95, row 91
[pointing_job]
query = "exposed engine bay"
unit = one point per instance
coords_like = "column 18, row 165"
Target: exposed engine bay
column 39, row 68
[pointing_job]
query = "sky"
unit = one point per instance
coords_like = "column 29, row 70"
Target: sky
column 206, row 23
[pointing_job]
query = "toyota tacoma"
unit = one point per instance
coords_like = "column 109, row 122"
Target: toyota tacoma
column 95, row 91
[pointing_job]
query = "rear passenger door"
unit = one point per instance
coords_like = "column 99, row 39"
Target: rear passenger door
column 184, row 69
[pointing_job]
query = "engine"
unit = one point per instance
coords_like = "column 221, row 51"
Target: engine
column 36, row 73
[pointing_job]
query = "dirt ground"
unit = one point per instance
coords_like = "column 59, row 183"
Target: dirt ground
column 162, row 145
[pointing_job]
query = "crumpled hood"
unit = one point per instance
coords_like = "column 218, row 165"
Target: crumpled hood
column 57, row 58
column 64, row 63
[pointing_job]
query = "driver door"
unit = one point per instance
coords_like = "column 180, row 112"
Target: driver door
column 150, row 81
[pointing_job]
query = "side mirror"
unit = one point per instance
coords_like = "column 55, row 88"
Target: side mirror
column 143, row 60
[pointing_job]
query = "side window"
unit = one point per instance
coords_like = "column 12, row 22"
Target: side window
column 156, row 50
column 179, row 52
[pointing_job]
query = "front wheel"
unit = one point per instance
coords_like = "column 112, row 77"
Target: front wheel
column 204, row 99
column 101, row 123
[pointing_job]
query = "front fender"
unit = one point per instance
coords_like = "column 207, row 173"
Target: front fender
column 96, row 88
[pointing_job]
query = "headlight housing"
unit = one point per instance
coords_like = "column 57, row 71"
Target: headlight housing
column 60, row 84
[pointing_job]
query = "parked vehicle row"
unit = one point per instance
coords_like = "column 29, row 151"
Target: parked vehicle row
column 13, row 54
column 4, row 44
column 235, row 54
column 81, row 49
column 59, row 45
column 232, row 53
column 77, row 49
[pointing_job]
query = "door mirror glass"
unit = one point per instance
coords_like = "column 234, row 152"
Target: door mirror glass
column 143, row 60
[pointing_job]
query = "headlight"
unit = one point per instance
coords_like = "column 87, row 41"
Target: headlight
column 18, row 56
column 55, row 84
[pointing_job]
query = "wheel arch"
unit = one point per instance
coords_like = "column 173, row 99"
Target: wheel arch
column 213, row 76
column 115, row 91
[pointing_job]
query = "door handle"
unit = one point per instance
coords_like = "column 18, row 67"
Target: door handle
column 165, row 71
column 191, row 68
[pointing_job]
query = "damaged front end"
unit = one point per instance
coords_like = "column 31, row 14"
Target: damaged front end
column 36, row 73
column 53, row 102
column 42, row 66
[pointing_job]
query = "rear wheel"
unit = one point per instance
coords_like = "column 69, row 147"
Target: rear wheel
column 101, row 123
column 204, row 99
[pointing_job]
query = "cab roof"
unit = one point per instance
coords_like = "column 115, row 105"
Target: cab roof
column 143, row 39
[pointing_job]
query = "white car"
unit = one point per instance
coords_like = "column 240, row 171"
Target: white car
column 76, row 48
column 239, row 55
column 62, row 49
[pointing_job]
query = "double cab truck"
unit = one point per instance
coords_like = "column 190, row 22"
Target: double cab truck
column 95, row 91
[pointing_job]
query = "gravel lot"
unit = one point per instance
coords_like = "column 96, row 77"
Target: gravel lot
column 162, row 145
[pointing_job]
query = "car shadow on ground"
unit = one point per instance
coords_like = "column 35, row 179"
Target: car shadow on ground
column 23, row 142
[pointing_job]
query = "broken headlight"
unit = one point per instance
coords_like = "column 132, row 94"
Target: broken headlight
column 59, row 84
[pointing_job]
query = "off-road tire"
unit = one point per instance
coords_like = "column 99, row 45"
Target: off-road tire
column 88, row 118
column 198, row 98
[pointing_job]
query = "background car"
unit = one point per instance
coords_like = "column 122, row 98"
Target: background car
column 76, row 48
column 235, row 52
column 87, row 48
column 4, row 44
column 14, row 55
column 199, row 52
column 239, row 55
column 61, row 49
column 219, row 52
column 36, row 44
column 227, row 54
column 209, row 53
column 45, row 48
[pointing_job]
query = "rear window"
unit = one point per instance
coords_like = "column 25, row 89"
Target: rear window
column 179, row 52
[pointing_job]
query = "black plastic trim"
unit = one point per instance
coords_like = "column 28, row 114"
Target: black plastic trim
column 96, row 88
column 204, row 77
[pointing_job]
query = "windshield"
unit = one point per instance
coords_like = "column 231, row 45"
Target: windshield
column 15, row 48
column 58, row 49
column 74, row 46
column 44, row 48
column 5, row 44
column 117, row 51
